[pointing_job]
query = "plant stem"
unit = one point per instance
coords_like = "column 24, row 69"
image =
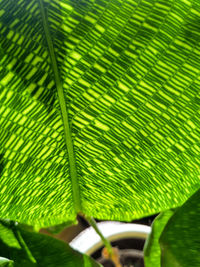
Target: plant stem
column 106, row 242
column 108, row 252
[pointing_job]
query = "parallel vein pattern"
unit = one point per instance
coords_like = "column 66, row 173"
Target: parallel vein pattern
column 130, row 74
column 35, row 182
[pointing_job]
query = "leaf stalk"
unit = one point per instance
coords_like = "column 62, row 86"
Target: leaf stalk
column 106, row 242
column 113, row 254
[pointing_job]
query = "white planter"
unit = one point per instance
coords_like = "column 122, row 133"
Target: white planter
column 88, row 241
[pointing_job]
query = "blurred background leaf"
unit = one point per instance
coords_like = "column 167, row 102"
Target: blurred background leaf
column 180, row 240
column 29, row 249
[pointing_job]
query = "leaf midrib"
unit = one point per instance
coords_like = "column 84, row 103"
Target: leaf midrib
column 64, row 113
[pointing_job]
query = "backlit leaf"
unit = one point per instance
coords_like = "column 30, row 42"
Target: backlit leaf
column 99, row 108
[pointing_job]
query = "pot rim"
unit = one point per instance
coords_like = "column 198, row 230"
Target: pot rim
column 88, row 241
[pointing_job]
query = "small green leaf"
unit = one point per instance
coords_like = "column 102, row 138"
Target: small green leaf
column 152, row 252
column 39, row 250
column 180, row 240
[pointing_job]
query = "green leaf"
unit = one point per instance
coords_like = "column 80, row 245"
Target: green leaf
column 99, row 108
column 180, row 240
column 6, row 262
column 152, row 251
column 39, row 250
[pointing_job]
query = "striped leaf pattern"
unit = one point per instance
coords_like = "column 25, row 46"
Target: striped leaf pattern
column 99, row 107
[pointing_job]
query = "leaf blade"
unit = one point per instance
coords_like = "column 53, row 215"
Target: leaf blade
column 129, row 72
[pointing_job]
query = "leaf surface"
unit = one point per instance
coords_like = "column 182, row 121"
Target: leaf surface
column 180, row 240
column 35, row 249
column 99, row 108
